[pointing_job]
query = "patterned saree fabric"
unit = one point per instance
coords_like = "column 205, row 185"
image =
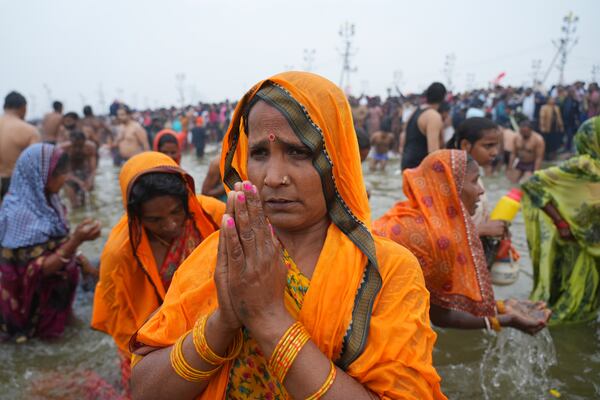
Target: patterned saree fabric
column 394, row 357
column 567, row 272
column 132, row 286
column 436, row 227
column 32, row 226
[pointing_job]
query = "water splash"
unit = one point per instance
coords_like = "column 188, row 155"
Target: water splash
column 516, row 364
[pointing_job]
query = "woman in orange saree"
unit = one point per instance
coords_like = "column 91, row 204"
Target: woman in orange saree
column 163, row 224
column 167, row 142
column 435, row 224
column 295, row 255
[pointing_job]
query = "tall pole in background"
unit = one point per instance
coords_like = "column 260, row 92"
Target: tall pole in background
column 180, row 86
column 347, row 32
column 536, row 68
column 449, row 70
column 564, row 45
column 595, row 72
column 309, row 59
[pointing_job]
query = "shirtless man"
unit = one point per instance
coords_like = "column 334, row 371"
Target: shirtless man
column 94, row 128
column 70, row 123
column 82, row 167
column 131, row 138
column 382, row 142
column 212, row 185
column 424, row 129
column 15, row 136
column 527, row 155
column 51, row 123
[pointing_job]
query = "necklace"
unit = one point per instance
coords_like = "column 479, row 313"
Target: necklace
column 162, row 241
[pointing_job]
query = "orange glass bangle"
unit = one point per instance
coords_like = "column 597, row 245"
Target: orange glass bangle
column 327, row 385
column 495, row 324
column 500, row 307
column 181, row 366
column 205, row 352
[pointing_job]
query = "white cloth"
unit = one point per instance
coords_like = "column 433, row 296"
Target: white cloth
column 529, row 106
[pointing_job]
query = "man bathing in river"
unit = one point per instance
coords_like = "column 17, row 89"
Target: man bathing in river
column 82, row 167
column 527, row 154
column 15, row 136
column 51, row 123
column 131, row 138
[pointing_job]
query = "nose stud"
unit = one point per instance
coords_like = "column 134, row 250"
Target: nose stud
column 285, row 180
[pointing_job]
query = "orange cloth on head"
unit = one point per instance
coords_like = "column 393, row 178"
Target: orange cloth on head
column 128, row 291
column 396, row 361
column 171, row 132
column 436, row 227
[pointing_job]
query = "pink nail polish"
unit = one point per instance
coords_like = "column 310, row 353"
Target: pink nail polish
column 241, row 198
column 247, row 186
column 254, row 190
column 230, row 223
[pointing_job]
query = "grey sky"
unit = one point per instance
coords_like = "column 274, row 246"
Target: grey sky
column 134, row 49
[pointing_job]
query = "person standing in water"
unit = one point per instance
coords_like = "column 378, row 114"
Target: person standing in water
column 51, row 123
column 82, row 167
column 424, row 128
column 527, row 155
column 131, row 138
column 15, row 136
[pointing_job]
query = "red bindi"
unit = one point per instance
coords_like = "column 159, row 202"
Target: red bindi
column 271, row 137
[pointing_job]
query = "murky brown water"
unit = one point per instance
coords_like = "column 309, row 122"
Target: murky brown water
column 473, row 364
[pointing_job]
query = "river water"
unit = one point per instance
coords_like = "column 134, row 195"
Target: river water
column 562, row 361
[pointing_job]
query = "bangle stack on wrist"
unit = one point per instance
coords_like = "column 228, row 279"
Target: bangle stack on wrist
column 191, row 374
column 287, row 350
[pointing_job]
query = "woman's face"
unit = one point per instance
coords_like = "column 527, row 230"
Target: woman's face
column 164, row 216
column 485, row 149
column 472, row 190
column 170, row 149
column 281, row 168
column 55, row 183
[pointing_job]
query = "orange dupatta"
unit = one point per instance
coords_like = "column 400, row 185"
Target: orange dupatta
column 395, row 359
column 130, row 287
column 166, row 132
column 436, row 227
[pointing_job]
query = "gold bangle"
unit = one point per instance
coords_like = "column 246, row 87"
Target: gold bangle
column 205, row 352
column 326, row 385
column 287, row 349
column 181, row 366
column 501, row 307
column 495, row 324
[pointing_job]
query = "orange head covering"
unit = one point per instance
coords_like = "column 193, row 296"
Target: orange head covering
column 436, row 227
column 168, row 132
column 130, row 287
column 367, row 307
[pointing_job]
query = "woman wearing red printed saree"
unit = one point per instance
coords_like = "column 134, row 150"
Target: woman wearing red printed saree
column 317, row 307
column 435, row 224
column 164, row 223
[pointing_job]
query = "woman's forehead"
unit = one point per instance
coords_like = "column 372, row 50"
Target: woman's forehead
column 266, row 122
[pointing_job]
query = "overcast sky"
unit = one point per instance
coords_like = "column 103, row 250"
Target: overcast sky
column 76, row 50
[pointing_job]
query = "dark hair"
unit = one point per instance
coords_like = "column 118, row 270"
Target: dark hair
column 14, row 101
column 444, row 107
column 167, row 139
column 471, row 161
column 57, row 106
column 435, row 93
column 363, row 139
column 62, row 165
column 125, row 108
column 525, row 123
column 87, row 111
column 72, row 114
column 470, row 130
column 152, row 185
column 76, row 135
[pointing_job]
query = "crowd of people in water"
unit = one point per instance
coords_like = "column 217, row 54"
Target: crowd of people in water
column 271, row 280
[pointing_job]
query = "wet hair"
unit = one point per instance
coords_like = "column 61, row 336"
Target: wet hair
column 156, row 184
column 87, row 111
column 62, row 165
column 167, row 139
column 72, row 114
column 471, row 130
column 363, row 139
column 525, row 123
column 57, row 106
column 75, row 136
column 14, row 101
column 435, row 93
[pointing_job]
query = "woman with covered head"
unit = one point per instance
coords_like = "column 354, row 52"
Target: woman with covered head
column 163, row 224
column 562, row 220
column 167, row 142
column 39, row 265
column 435, row 224
column 294, row 298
